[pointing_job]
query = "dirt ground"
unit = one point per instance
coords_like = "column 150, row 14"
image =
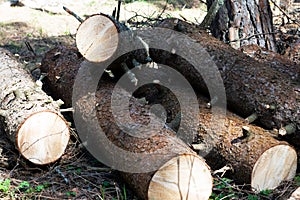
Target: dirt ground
column 29, row 32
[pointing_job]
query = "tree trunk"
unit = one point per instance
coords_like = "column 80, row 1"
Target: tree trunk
column 180, row 173
column 255, row 156
column 244, row 22
column 30, row 118
column 251, row 87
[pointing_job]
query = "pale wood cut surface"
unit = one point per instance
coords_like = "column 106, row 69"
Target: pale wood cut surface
column 47, row 141
column 161, row 141
column 171, row 180
column 276, row 164
column 97, row 43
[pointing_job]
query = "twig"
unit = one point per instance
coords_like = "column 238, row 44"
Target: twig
column 253, row 35
column 148, row 20
column 114, row 13
column 284, row 13
column 29, row 47
column 164, row 9
column 211, row 14
column 118, row 11
column 73, row 14
column 67, row 110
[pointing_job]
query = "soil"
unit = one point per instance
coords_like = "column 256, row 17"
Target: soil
column 29, row 32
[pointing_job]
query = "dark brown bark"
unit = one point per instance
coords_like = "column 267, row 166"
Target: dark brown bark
column 30, row 118
column 251, row 87
column 276, row 61
column 245, row 22
column 54, row 61
column 161, row 141
column 237, row 144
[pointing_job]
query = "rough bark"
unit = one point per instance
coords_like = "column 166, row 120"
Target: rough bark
column 254, row 155
column 56, row 59
column 245, row 22
column 30, row 118
column 251, row 87
column 276, row 61
column 182, row 174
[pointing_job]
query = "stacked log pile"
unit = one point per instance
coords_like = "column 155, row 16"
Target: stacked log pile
column 251, row 157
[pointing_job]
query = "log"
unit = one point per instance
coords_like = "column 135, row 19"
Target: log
column 254, row 155
column 166, row 167
column 30, row 118
column 251, row 87
column 102, row 42
column 97, row 49
column 295, row 195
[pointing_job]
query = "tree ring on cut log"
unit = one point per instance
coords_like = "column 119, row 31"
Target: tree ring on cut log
column 172, row 179
column 274, row 165
column 97, row 43
column 43, row 137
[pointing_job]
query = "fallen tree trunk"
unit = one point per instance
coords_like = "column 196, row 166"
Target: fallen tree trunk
column 161, row 165
column 255, row 156
column 251, row 87
column 30, row 118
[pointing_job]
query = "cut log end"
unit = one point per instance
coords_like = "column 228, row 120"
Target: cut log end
column 183, row 177
column 43, row 137
column 97, row 38
column 277, row 164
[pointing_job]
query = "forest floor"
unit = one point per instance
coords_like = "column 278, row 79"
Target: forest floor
column 29, row 32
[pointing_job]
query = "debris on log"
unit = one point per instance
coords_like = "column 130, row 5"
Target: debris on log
column 182, row 174
column 29, row 116
column 251, row 87
column 253, row 153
